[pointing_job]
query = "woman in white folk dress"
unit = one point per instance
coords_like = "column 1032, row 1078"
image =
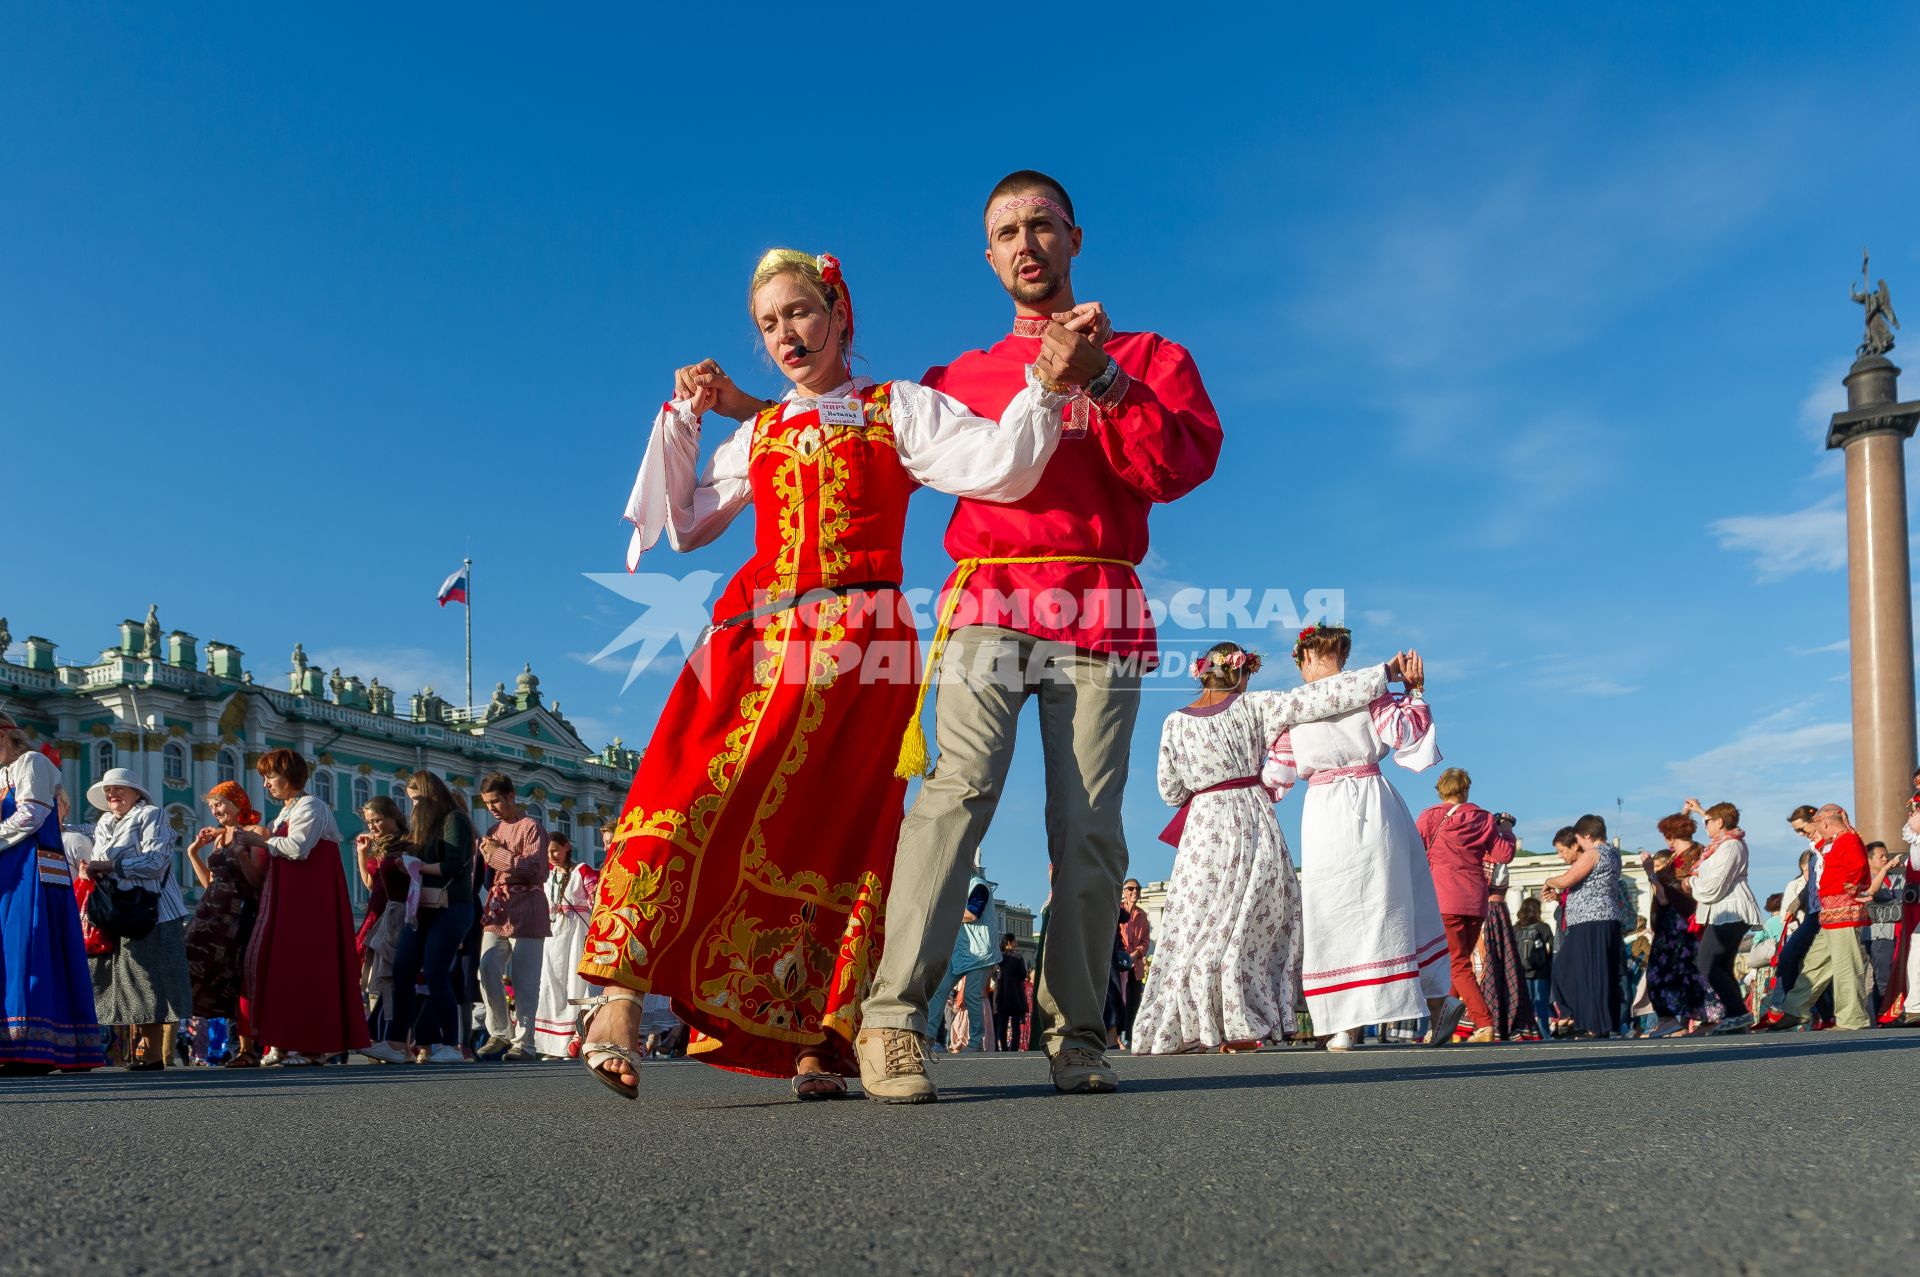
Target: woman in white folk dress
column 1226, row 970
column 570, row 892
column 1375, row 950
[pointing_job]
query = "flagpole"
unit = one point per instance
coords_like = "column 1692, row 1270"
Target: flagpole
column 468, row 565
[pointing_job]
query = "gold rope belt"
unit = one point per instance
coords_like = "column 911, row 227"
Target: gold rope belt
column 913, row 746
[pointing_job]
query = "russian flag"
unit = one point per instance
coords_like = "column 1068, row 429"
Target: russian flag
column 454, row 588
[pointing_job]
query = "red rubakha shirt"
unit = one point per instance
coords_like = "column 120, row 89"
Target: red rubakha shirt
column 1843, row 876
column 1158, row 443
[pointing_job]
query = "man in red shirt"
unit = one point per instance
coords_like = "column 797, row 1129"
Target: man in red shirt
column 1837, row 957
column 1044, row 602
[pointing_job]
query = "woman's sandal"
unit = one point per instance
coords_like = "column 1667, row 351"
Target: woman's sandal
column 817, row 1086
column 825, row 1086
column 594, row 1054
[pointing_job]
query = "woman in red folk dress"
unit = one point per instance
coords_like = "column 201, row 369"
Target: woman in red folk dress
column 747, row 878
column 303, row 975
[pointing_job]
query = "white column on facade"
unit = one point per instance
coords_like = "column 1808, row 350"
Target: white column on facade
column 253, row 741
column 204, row 771
column 150, row 765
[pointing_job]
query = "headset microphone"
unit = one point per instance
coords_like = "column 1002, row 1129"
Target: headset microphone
column 800, row 347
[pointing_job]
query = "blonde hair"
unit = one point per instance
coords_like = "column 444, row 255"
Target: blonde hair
column 806, row 268
column 787, row 261
column 1453, row 785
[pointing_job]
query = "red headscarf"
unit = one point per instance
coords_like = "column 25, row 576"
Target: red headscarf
column 242, row 805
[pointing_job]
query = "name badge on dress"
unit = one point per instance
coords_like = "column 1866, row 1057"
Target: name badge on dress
column 842, row 412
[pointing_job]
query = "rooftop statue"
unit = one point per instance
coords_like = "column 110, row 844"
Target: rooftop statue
column 1879, row 316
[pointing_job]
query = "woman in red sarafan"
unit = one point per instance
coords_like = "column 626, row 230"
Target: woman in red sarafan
column 747, row 877
column 303, row 976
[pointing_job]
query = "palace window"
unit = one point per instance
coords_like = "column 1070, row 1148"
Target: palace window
column 362, row 792
column 229, row 767
column 563, row 823
column 102, row 758
column 173, row 764
column 323, row 787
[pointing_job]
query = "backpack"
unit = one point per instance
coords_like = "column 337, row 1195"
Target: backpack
column 1534, row 950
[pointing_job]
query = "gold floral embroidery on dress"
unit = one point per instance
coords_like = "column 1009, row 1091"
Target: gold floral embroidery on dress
column 823, row 670
column 634, row 907
column 859, row 945
column 666, row 825
column 773, row 979
column 614, row 948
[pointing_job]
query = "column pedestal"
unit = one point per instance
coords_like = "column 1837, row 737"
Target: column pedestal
column 1873, row 432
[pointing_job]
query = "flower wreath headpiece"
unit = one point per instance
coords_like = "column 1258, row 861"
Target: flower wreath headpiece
column 1223, row 660
column 835, row 283
column 1319, row 629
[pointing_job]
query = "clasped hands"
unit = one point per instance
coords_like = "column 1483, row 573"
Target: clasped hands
column 1072, row 353
column 1407, row 669
column 1073, row 348
column 218, row 835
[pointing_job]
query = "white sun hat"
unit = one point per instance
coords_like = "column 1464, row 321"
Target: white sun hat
column 97, row 792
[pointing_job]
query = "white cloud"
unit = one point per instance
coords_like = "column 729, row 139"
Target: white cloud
column 1839, row 645
column 594, row 731
column 1813, row 539
column 1538, row 252
column 405, row 669
column 1824, row 398
column 1158, row 579
column 1600, row 687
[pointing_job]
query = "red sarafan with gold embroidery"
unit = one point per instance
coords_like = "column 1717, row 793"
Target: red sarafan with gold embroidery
column 747, row 880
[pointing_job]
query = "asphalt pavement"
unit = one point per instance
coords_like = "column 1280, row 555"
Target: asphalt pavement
column 1793, row 1153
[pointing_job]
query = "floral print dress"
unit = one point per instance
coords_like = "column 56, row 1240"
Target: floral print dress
column 1674, row 983
column 1226, row 965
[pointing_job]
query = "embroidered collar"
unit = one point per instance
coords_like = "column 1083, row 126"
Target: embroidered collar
column 1030, row 325
column 844, row 390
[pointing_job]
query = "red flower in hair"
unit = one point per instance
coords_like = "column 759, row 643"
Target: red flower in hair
column 829, row 270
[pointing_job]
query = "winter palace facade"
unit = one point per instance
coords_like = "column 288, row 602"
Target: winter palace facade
column 150, row 703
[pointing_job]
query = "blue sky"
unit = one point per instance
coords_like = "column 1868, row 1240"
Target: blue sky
column 1523, row 333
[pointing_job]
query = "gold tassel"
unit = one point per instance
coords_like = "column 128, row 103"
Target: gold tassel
column 913, row 744
column 913, row 752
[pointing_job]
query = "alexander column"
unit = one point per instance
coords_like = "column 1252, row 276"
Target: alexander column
column 1873, row 432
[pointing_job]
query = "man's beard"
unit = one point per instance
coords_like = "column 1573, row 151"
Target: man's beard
column 1031, row 292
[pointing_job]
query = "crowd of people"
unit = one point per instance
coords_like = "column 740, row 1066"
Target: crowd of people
column 767, row 891
column 466, row 948
column 1707, row 958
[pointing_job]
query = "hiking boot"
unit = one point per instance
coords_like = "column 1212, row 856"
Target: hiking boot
column 893, row 1066
column 1078, row 1071
column 493, row 1048
column 1482, row 1034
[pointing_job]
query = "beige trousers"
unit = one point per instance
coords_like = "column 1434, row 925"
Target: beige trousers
column 1087, row 710
column 1834, row 958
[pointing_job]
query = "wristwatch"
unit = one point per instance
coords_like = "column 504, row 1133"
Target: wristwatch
column 1102, row 389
